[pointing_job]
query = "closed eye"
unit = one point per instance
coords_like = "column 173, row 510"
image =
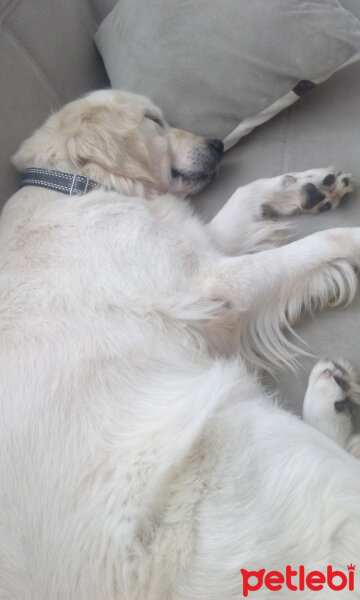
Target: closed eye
column 155, row 119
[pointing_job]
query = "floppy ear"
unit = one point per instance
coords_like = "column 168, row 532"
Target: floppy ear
column 97, row 137
column 41, row 149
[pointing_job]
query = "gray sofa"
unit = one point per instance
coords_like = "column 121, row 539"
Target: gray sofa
column 48, row 58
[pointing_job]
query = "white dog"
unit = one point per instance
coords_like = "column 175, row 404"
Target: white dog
column 140, row 458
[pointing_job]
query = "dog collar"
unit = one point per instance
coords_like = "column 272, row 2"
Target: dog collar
column 66, row 183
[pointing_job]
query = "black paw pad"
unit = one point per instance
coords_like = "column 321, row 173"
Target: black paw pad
column 312, row 195
column 342, row 406
column 328, row 180
column 341, row 383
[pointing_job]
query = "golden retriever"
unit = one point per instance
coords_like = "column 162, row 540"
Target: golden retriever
column 140, row 457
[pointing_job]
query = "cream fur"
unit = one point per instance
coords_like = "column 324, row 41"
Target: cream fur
column 140, row 458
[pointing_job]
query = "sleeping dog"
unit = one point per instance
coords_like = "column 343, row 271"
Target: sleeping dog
column 141, row 459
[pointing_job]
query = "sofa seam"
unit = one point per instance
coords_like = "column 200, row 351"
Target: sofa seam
column 35, row 65
column 8, row 8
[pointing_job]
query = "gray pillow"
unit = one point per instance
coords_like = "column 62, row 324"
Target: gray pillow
column 220, row 68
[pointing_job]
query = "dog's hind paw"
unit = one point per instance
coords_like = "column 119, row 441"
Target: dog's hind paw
column 330, row 399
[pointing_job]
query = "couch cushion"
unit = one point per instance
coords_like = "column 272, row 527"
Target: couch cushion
column 48, row 58
column 352, row 5
column 322, row 131
column 222, row 72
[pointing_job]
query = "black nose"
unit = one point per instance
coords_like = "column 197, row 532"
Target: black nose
column 216, row 145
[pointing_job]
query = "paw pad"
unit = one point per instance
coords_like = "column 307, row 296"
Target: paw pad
column 327, row 192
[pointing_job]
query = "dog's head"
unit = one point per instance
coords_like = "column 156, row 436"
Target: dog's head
column 112, row 135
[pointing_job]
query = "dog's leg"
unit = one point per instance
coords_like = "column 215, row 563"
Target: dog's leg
column 330, row 400
column 268, row 291
column 248, row 222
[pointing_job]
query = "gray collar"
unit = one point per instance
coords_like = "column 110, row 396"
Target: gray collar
column 66, row 183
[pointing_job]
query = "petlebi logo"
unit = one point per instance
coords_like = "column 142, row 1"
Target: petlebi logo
column 299, row 579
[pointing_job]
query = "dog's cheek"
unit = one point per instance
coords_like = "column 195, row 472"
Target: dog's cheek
column 163, row 163
column 161, row 145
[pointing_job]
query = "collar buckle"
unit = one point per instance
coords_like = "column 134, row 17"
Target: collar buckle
column 79, row 185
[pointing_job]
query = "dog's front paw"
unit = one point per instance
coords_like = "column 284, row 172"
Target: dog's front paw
column 325, row 189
